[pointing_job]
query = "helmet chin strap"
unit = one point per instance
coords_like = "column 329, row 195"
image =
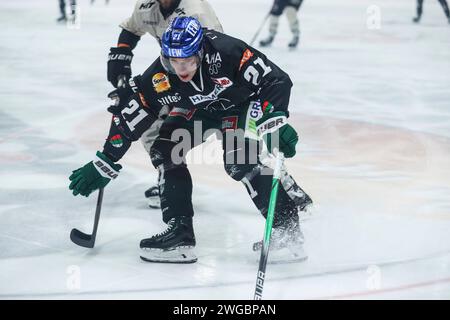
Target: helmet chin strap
column 202, row 87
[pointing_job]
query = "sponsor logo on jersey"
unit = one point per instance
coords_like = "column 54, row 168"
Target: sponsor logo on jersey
column 169, row 99
column 116, row 141
column 180, row 11
column 214, row 95
column 245, row 57
column 215, row 62
column 160, row 82
column 229, row 123
column 116, row 120
column 181, row 112
column 147, row 5
column 223, row 82
column 255, row 110
column 214, row 58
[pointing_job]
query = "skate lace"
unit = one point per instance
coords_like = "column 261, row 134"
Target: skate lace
column 170, row 225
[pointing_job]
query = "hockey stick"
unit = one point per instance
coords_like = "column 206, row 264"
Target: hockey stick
column 259, row 29
column 88, row 240
column 268, row 229
column 121, row 81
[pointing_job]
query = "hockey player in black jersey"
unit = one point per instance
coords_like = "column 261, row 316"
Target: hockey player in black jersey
column 443, row 3
column 153, row 17
column 219, row 83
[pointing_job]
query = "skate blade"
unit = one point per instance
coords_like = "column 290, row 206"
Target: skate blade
column 154, row 202
column 177, row 255
column 287, row 255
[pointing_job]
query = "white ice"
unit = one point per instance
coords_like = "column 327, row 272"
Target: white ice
column 373, row 110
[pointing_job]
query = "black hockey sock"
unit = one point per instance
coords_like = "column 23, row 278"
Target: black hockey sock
column 258, row 186
column 175, row 189
column 419, row 8
column 444, row 5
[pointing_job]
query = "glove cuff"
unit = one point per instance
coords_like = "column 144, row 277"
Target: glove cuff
column 123, row 50
column 105, row 166
column 271, row 123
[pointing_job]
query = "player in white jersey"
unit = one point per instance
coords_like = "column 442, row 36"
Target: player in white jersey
column 153, row 17
column 290, row 8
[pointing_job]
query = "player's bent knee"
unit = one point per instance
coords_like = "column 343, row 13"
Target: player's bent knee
column 238, row 171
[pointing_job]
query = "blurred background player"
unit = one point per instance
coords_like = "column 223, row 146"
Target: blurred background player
column 290, row 8
column 153, row 17
column 62, row 9
column 106, row 1
column 420, row 10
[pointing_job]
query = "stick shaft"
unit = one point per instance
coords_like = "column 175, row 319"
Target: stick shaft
column 268, row 228
column 259, row 29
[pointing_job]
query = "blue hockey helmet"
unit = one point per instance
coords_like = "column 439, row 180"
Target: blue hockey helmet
column 183, row 38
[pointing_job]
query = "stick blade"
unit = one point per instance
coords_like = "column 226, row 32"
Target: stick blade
column 82, row 239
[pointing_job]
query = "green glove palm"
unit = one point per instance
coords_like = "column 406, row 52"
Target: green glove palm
column 94, row 175
column 272, row 127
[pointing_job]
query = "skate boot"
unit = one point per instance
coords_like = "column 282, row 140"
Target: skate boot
column 294, row 42
column 301, row 198
column 62, row 19
column 152, row 195
column 267, row 42
column 416, row 19
column 173, row 245
column 286, row 242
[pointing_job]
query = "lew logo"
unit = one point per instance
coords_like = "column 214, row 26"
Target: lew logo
column 169, row 99
column 192, row 28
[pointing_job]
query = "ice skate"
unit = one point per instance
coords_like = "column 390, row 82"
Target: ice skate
column 294, row 42
column 173, row 245
column 267, row 42
column 62, row 19
column 286, row 243
column 416, row 19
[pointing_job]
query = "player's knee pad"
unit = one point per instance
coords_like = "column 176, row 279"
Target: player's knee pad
column 238, row 171
column 161, row 154
column 241, row 160
column 273, row 24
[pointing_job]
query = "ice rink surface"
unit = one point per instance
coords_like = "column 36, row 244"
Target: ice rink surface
column 372, row 107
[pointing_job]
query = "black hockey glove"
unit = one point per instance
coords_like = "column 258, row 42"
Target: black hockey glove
column 119, row 97
column 119, row 64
